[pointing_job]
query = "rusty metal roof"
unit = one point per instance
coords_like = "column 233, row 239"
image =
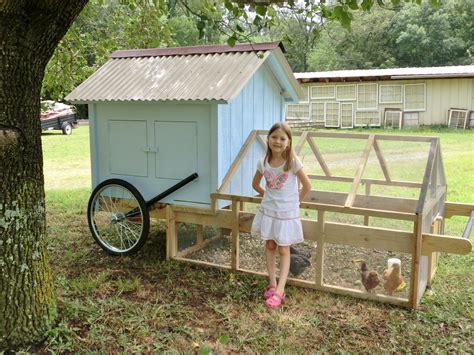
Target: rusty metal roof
column 204, row 73
column 466, row 71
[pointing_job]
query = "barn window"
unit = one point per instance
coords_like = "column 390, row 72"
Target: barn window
column 367, row 96
column 347, row 115
column 331, row 118
column 323, row 92
column 393, row 118
column 391, row 94
column 410, row 119
column 367, row 118
column 305, row 90
column 297, row 112
column 345, row 92
column 318, row 111
column 457, row 119
column 415, row 97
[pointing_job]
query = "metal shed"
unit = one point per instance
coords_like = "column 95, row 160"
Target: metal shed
column 158, row 115
column 399, row 97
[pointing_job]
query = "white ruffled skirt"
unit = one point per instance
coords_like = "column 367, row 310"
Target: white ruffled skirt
column 283, row 227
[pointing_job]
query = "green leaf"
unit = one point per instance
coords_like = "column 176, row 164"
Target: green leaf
column 231, row 41
column 395, row 2
column 224, row 339
column 261, row 10
column 239, row 28
column 200, row 25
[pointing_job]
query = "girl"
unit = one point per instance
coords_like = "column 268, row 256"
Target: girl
column 277, row 221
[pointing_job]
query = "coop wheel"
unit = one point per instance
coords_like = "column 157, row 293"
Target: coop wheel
column 118, row 217
column 67, row 129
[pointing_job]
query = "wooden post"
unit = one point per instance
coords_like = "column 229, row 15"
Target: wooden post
column 320, row 250
column 200, row 234
column 235, row 246
column 433, row 258
column 319, row 157
column 367, row 192
column 300, row 144
column 416, row 258
column 171, row 235
column 381, row 158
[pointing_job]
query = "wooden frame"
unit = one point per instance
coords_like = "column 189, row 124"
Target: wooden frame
column 460, row 120
column 423, row 242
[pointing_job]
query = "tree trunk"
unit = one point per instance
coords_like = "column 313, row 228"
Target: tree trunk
column 29, row 33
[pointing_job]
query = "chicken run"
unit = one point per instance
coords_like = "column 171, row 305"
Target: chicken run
column 373, row 226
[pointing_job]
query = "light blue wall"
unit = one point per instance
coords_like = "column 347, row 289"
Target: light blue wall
column 147, row 144
column 258, row 106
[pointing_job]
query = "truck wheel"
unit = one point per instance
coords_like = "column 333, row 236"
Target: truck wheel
column 67, row 129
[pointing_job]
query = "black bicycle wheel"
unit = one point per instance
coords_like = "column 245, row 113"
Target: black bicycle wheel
column 118, row 217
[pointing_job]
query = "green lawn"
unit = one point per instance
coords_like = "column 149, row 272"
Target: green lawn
column 144, row 304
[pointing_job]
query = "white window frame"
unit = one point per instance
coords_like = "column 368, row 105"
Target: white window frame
column 307, row 94
column 322, row 97
column 400, row 117
column 417, row 113
column 465, row 114
column 345, row 99
column 405, row 109
column 338, row 114
column 375, row 107
column 367, row 111
column 311, row 111
column 381, row 101
column 352, row 114
column 292, row 118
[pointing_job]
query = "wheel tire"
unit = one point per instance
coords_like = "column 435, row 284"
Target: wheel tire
column 120, row 225
column 67, row 129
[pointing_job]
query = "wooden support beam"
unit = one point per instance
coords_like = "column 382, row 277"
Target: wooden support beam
column 171, row 234
column 301, row 142
column 235, row 246
column 318, row 156
column 371, row 181
column 415, row 265
column 367, row 192
column 320, row 249
column 444, row 243
column 457, row 209
column 360, row 170
column 237, row 160
column 381, row 158
column 263, row 142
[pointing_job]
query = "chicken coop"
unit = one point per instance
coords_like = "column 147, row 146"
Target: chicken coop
column 375, row 198
column 158, row 115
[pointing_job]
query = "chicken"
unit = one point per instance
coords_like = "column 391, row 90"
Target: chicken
column 370, row 279
column 392, row 278
column 300, row 260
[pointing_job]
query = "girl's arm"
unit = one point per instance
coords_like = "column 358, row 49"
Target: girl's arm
column 256, row 183
column 306, row 182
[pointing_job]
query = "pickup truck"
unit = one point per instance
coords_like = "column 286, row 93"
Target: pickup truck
column 56, row 115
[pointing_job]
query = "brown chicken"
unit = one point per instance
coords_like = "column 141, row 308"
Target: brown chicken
column 370, row 279
column 392, row 279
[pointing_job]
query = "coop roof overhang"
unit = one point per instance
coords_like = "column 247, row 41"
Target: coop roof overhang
column 198, row 74
column 466, row 71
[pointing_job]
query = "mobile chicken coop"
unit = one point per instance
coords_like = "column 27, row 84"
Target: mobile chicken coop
column 378, row 196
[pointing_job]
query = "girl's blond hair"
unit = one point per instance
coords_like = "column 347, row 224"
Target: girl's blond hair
column 288, row 154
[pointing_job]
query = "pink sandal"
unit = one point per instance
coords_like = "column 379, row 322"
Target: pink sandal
column 269, row 291
column 275, row 301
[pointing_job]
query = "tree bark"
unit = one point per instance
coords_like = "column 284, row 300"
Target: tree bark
column 29, row 33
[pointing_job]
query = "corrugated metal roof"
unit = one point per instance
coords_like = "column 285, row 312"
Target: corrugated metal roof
column 172, row 74
column 382, row 74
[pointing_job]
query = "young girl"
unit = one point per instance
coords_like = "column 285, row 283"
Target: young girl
column 277, row 221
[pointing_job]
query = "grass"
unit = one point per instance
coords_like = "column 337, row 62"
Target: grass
column 144, row 304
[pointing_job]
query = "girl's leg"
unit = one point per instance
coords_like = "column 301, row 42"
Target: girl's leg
column 284, row 268
column 270, row 251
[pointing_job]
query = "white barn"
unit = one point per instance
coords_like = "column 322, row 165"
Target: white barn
column 401, row 97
